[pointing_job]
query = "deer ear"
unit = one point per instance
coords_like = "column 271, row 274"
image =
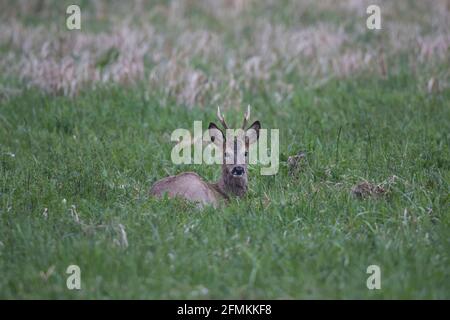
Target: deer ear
column 252, row 133
column 216, row 135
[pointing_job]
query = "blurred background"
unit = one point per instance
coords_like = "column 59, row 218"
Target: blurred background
column 197, row 52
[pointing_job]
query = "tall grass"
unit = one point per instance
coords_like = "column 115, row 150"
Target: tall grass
column 85, row 123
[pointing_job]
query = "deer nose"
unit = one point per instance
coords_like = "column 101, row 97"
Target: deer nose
column 237, row 171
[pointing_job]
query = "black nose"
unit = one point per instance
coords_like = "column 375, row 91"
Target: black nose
column 237, row 171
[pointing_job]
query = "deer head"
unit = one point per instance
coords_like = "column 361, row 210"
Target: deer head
column 234, row 145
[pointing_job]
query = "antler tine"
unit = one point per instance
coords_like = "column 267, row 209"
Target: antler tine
column 221, row 118
column 246, row 117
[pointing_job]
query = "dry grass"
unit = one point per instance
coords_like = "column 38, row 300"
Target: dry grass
column 198, row 64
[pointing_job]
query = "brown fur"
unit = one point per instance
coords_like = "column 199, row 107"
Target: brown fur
column 188, row 185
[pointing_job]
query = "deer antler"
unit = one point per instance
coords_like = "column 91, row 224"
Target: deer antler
column 221, row 118
column 246, row 117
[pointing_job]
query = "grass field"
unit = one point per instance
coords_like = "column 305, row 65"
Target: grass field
column 85, row 128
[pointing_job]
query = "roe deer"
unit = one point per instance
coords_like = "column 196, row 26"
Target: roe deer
column 233, row 181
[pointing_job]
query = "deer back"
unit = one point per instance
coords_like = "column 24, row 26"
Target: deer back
column 188, row 185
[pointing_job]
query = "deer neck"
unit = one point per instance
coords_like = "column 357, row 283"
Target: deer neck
column 219, row 188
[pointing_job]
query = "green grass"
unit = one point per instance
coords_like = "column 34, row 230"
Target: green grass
column 305, row 235
column 301, row 236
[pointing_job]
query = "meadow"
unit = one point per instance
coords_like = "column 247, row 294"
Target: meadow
column 85, row 123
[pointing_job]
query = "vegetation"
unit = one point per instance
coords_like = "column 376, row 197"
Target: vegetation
column 85, row 124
